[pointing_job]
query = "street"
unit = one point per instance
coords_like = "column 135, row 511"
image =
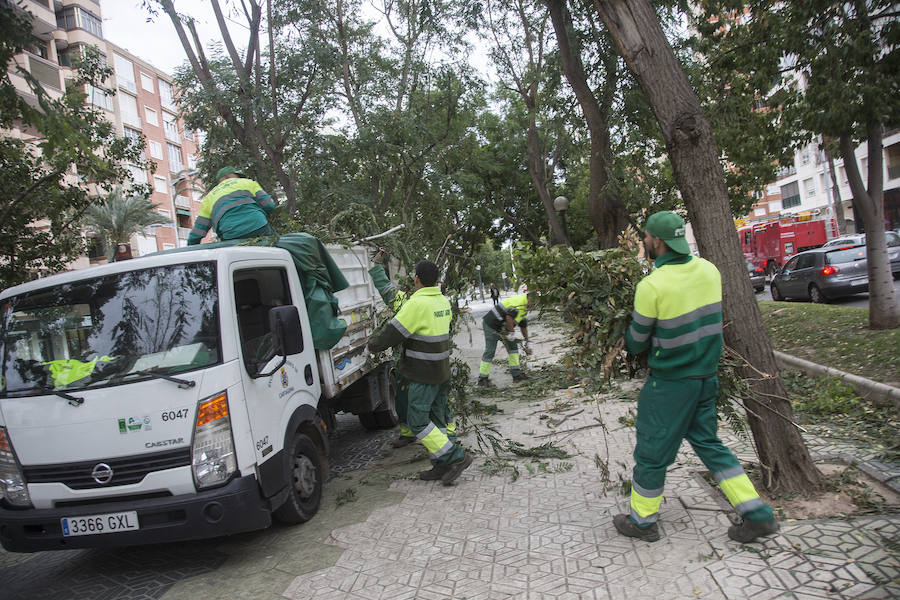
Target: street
column 858, row 300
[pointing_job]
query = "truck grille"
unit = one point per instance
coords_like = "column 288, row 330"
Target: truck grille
column 126, row 470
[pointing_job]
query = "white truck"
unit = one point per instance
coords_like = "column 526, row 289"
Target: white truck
column 174, row 397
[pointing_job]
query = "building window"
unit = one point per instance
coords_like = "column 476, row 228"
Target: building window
column 98, row 97
column 188, row 134
column 128, row 106
column 843, row 174
column 133, row 136
column 147, row 82
column 138, row 175
column 160, row 185
column 164, row 212
column 75, row 17
column 790, row 195
column 124, row 73
column 192, row 161
column 810, row 186
column 150, row 116
column 156, row 150
column 175, row 164
column 758, row 212
column 170, row 125
column 893, row 161
column 165, row 94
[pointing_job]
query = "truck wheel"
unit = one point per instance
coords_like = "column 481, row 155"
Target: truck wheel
column 776, row 295
column 305, row 482
column 816, row 295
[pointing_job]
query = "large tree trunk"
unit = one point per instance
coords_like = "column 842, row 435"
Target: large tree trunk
column 636, row 31
column 605, row 208
column 884, row 313
column 537, row 171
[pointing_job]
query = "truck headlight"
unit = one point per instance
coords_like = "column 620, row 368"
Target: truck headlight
column 212, row 451
column 12, row 481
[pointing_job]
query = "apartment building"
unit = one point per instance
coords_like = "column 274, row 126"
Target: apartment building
column 144, row 103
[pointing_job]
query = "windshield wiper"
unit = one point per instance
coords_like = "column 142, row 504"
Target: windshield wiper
column 73, row 400
column 182, row 383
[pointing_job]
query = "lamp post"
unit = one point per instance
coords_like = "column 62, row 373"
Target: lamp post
column 561, row 204
column 480, row 284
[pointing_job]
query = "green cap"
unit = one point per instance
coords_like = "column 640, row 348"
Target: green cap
column 668, row 227
column 227, row 171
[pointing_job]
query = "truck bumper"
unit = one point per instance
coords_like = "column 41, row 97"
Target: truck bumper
column 233, row 508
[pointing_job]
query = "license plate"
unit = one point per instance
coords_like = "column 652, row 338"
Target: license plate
column 97, row 524
column 858, row 281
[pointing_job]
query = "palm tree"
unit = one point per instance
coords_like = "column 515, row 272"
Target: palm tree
column 116, row 218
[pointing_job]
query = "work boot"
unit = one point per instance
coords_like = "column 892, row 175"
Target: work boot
column 520, row 377
column 432, row 474
column 749, row 530
column 455, row 469
column 485, row 383
column 403, row 440
column 626, row 527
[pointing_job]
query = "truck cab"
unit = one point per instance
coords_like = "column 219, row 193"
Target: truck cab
column 166, row 398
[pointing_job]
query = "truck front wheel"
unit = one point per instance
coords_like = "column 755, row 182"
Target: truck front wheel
column 304, row 481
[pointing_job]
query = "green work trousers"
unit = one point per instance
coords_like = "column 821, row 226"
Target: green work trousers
column 401, row 402
column 491, row 337
column 427, row 416
column 670, row 411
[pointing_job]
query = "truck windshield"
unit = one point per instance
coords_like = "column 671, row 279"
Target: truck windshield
column 110, row 330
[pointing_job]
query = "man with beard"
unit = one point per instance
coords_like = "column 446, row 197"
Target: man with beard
column 678, row 318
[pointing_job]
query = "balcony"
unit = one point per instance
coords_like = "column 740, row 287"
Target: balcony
column 44, row 71
column 183, row 202
column 183, row 232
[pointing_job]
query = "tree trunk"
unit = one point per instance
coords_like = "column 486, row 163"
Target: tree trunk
column 536, row 169
column 605, row 208
column 636, row 31
column 836, row 201
column 884, row 313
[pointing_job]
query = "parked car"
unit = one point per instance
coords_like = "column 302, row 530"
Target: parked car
column 822, row 274
column 757, row 276
column 859, row 239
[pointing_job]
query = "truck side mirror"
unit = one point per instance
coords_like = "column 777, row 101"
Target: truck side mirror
column 284, row 325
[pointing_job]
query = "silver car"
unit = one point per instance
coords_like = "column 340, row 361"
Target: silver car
column 859, row 239
column 821, row 274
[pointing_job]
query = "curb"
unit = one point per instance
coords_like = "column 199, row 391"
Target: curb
column 871, row 390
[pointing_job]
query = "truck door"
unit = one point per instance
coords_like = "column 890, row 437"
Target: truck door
column 271, row 399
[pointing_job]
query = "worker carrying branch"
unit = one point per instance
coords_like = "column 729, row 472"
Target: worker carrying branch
column 237, row 208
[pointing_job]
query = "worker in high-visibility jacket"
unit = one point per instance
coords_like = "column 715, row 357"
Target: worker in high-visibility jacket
column 422, row 330
column 499, row 324
column 237, row 208
column 678, row 318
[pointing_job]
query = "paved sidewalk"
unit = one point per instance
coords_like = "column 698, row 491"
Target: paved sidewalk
column 550, row 534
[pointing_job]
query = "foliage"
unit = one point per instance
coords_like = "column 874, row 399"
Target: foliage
column 346, row 497
column 116, row 218
column 595, row 290
column 66, row 143
column 833, row 335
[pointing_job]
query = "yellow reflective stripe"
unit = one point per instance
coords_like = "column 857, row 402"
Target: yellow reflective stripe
column 514, row 359
column 435, row 441
column 642, row 507
column 738, row 489
column 451, row 428
column 484, row 368
column 405, row 431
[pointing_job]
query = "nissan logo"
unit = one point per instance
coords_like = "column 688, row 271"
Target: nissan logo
column 102, row 473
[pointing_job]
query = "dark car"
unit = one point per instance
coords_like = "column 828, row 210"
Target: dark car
column 757, row 276
column 821, row 274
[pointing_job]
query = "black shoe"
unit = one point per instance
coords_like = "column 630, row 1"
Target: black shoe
column 485, row 382
column 748, row 530
column 626, row 527
column 454, row 470
column 520, row 377
column 403, row 440
column 432, row 474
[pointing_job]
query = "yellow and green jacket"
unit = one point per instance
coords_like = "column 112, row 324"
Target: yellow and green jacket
column 678, row 317
column 514, row 306
column 392, row 296
column 422, row 330
column 234, row 208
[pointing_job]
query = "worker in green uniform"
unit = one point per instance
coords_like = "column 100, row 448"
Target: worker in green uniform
column 678, row 318
column 422, row 330
column 237, row 208
column 500, row 324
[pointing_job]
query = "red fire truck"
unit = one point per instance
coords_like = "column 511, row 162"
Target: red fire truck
column 768, row 244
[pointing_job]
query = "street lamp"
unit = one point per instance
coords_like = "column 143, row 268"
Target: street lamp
column 561, row 204
column 480, row 284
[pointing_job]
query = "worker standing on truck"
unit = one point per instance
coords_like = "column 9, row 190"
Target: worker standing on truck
column 500, row 324
column 422, row 330
column 678, row 318
column 237, row 208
